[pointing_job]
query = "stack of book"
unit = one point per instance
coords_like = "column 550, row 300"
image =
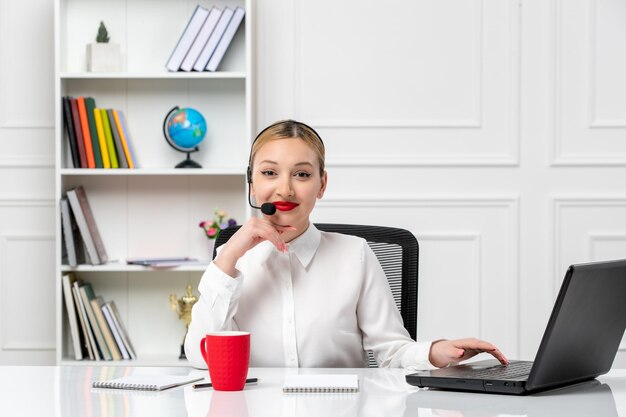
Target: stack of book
column 98, row 138
column 95, row 325
column 81, row 237
column 206, row 38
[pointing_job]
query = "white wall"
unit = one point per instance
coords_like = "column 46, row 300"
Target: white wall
column 492, row 129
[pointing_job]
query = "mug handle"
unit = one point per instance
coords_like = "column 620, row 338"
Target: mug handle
column 203, row 348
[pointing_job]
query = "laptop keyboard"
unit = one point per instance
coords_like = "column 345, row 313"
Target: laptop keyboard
column 511, row 371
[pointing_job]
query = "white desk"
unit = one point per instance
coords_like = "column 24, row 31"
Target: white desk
column 67, row 392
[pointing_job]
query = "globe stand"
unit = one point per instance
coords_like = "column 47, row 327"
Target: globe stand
column 189, row 163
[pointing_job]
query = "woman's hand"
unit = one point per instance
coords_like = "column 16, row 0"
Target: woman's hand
column 253, row 232
column 445, row 352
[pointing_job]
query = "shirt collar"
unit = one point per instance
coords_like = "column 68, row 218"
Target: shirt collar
column 305, row 245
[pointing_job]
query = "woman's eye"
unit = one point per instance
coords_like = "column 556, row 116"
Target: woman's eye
column 268, row 173
column 302, row 174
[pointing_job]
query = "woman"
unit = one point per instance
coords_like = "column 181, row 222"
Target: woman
column 308, row 298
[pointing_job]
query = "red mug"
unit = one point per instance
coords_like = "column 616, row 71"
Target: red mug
column 227, row 354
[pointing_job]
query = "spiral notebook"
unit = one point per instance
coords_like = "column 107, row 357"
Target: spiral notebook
column 321, row 383
column 147, row 382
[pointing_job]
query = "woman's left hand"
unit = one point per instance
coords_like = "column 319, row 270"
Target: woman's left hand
column 445, row 352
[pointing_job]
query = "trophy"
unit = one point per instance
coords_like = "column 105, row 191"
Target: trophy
column 183, row 306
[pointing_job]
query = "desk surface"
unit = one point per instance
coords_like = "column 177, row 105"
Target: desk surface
column 66, row 391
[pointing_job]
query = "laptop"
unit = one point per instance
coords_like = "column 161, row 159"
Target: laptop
column 580, row 342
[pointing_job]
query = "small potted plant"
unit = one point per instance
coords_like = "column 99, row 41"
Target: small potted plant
column 213, row 227
column 103, row 56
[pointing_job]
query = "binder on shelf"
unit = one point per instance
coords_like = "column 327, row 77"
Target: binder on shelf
column 106, row 125
column 90, row 341
column 201, row 39
column 84, row 125
column 214, row 39
column 70, row 307
column 96, row 305
column 71, row 235
column 186, row 39
column 78, row 131
column 87, row 225
column 122, row 137
column 106, row 163
column 87, row 294
column 90, row 105
column 71, row 136
column 226, row 39
column 121, row 158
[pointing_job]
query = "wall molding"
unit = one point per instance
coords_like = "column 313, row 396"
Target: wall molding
column 6, row 343
column 511, row 157
column 26, row 162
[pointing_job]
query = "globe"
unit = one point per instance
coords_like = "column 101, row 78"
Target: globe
column 184, row 129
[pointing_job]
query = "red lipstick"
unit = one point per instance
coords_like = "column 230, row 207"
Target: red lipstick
column 285, row 205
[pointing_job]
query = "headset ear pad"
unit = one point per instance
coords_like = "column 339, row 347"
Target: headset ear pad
column 249, row 175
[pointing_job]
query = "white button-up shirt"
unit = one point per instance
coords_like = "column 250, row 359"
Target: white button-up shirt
column 323, row 304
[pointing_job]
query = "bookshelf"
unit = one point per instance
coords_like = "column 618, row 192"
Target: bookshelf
column 153, row 210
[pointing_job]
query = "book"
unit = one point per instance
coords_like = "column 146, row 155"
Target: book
column 108, row 315
column 102, row 141
column 96, row 305
column 117, row 319
column 129, row 141
column 87, row 294
column 71, row 235
column 321, row 383
column 121, row 157
column 148, row 382
column 214, row 39
column 91, row 223
column 120, row 132
column 84, row 125
column 83, row 227
column 90, row 105
column 201, row 39
column 71, row 136
column 72, row 316
column 90, row 342
column 229, row 34
column 78, row 132
column 186, row 39
column 106, row 125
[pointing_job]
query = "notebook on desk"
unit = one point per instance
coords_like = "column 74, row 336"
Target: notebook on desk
column 147, row 382
column 580, row 341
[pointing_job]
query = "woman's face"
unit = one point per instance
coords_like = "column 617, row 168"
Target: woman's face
column 287, row 173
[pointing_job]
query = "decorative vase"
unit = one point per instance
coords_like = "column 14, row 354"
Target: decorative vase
column 211, row 247
column 103, row 57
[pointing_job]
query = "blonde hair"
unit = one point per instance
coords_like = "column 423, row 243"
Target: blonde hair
column 287, row 129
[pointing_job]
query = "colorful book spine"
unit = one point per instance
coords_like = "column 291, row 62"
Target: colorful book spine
column 120, row 132
column 71, row 135
column 106, row 163
column 90, row 105
column 107, row 133
column 129, row 140
column 80, row 143
column 84, row 124
column 121, row 158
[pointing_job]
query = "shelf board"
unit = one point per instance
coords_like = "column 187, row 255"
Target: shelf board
column 237, row 75
column 152, row 171
column 144, row 360
column 119, row 267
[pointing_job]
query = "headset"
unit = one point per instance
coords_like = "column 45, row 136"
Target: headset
column 270, row 208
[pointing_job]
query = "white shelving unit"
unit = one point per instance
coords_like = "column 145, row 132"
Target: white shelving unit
column 153, row 210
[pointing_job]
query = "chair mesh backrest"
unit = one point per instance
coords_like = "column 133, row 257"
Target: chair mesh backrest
column 397, row 252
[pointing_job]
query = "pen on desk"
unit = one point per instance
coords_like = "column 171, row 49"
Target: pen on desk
column 209, row 385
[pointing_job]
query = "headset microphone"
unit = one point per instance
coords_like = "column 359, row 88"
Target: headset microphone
column 266, row 208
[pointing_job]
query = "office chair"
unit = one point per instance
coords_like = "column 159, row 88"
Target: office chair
column 397, row 251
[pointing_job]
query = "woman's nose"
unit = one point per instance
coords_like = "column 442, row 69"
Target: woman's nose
column 285, row 188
